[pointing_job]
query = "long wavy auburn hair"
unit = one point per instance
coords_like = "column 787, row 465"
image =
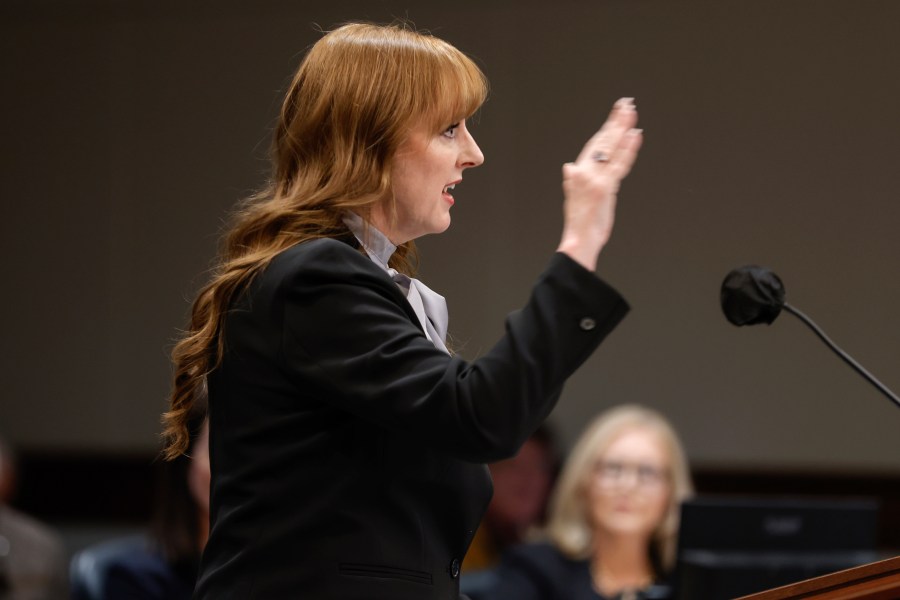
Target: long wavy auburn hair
column 569, row 526
column 356, row 96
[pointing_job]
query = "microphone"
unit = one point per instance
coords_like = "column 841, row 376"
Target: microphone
column 752, row 294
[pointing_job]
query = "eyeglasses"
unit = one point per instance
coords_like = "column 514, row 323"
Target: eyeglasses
column 612, row 472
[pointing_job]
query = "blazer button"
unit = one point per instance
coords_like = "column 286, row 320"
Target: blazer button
column 454, row 568
column 587, row 324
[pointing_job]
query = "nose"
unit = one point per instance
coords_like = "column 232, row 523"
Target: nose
column 628, row 478
column 470, row 154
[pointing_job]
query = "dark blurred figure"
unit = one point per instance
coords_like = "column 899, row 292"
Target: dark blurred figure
column 163, row 567
column 522, row 487
column 32, row 556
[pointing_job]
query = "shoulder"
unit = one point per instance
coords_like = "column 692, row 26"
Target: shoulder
column 27, row 532
column 323, row 260
column 138, row 559
column 320, row 268
column 144, row 574
column 538, row 571
column 319, row 251
column 540, row 556
column 324, row 279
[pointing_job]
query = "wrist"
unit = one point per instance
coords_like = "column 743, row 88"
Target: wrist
column 581, row 252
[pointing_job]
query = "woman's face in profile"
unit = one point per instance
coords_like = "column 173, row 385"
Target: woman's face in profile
column 629, row 487
column 426, row 168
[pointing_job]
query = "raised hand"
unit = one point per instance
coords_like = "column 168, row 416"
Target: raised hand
column 591, row 184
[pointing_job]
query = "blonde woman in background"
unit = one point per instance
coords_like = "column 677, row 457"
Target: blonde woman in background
column 613, row 517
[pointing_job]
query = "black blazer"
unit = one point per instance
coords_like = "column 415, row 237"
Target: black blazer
column 347, row 452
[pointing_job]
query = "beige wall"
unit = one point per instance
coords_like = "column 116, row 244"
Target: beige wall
column 772, row 136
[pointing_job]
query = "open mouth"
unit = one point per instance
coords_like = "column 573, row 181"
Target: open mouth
column 447, row 195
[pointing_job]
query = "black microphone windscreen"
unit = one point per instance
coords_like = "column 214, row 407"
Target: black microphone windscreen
column 752, row 295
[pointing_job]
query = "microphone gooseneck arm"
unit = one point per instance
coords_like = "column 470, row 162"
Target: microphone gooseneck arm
column 856, row 366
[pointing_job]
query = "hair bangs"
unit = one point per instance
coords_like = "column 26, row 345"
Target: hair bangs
column 462, row 91
column 452, row 87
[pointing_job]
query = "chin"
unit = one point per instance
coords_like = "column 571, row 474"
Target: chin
column 441, row 227
column 624, row 526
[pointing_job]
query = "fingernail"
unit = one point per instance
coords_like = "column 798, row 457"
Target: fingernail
column 636, row 132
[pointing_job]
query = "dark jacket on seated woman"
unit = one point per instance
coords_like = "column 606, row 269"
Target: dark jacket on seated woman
column 146, row 575
column 541, row 572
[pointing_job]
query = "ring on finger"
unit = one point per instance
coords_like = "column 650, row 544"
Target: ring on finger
column 600, row 156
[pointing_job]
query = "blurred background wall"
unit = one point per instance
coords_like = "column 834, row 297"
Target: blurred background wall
column 772, row 136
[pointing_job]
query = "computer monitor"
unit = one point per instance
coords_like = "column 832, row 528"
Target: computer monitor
column 730, row 547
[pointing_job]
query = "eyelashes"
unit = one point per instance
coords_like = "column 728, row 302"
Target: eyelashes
column 450, row 132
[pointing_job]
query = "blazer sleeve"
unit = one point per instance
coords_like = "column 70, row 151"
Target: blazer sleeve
column 348, row 331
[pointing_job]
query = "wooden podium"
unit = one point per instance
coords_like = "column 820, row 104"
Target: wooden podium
column 875, row 581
